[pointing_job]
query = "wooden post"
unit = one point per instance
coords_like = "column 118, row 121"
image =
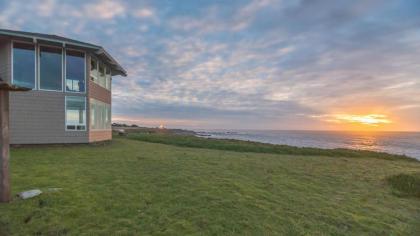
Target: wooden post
column 4, row 147
column 5, row 194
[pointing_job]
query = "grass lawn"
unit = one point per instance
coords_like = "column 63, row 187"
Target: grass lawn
column 132, row 187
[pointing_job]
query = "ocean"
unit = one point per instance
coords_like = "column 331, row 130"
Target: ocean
column 407, row 143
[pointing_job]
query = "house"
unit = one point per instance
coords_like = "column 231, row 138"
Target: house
column 70, row 100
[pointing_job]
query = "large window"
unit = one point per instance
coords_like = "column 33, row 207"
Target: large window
column 24, row 65
column 51, row 68
column 100, row 115
column 75, row 113
column 100, row 74
column 75, row 71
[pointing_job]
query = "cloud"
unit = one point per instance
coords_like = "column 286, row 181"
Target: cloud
column 264, row 64
column 104, row 9
column 46, row 8
column 144, row 13
column 217, row 19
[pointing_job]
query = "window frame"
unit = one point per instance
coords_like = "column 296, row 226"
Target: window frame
column 35, row 65
column 65, row 116
column 65, row 70
column 39, row 67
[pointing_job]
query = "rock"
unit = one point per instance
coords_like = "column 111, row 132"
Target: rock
column 29, row 194
column 121, row 132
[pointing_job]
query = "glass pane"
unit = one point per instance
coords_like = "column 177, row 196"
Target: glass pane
column 93, row 64
column 75, row 71
column 24, row 65
column 50, row 68
column 100, row 115
column 92, row 114
column 75, row 111
column 100, row 74
column 108, row 82
column 101, row 77
column 101, row 69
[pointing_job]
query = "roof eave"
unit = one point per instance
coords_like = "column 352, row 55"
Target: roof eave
column 36, row 38
column 113, row 62
column 96, row 49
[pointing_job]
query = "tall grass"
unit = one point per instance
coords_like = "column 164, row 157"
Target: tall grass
column 407, row 185
column 128, row 187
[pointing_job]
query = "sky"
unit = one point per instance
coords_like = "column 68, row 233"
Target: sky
column 249, row 64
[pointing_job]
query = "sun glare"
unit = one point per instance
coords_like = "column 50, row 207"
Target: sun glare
column 369, row 120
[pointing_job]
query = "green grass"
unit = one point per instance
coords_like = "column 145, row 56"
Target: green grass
column 248, row 146
column 130, row 187
column 407, row 185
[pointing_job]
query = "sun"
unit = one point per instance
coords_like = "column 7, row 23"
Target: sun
column 347, row 121
column 373, row 120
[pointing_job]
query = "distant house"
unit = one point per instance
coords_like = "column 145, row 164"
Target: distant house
column 70, row 101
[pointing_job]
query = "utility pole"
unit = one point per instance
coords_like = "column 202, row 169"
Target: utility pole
column 5, row 88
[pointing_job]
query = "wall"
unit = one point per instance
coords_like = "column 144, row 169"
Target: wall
column 99, row 93
column 38, row 117
column 5, row 60
column 101, row 135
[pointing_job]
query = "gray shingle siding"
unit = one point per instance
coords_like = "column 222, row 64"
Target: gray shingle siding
column 38, row 117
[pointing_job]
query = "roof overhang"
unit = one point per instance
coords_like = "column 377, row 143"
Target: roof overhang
column 99, row 51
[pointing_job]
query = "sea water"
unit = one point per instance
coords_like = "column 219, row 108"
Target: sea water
column 406, row 143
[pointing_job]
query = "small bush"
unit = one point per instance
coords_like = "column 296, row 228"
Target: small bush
column 406, row 185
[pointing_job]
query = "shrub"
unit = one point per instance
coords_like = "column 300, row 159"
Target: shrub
column 407, row 185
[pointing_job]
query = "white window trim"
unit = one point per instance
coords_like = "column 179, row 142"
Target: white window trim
column 12, row 62
column 65, row 70
column 39, row 65
column 65, row 115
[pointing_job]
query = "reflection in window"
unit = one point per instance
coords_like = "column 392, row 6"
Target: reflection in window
column 93, row 69
column 101, row 69
column 75, row 71
column 101, row 77
column 51, row 67
column 108, row 78
column 75, row 113
column 100, row 115
column 24, row 65
column 100, row 74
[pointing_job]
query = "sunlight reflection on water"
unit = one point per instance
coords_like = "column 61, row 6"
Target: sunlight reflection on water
column 407, row 143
